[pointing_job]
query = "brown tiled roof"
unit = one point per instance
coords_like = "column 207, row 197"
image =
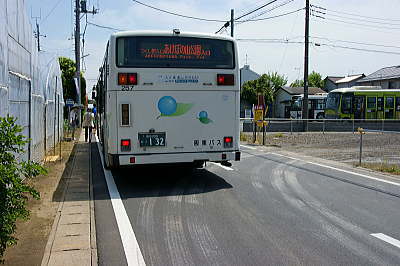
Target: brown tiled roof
column 300, row 90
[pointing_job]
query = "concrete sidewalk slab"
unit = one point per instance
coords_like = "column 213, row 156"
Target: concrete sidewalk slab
column 73, row 237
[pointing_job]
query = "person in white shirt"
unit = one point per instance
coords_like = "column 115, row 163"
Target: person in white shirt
column 87, row 123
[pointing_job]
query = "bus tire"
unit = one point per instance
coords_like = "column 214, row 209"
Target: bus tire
column 320, row 116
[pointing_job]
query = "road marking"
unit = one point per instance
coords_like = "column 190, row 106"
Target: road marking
column 131, row 246
column 387, row 239
column 341, row 170
column 248, row 147
column 223, row 166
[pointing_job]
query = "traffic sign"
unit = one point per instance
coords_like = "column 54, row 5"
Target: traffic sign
column 69, row 102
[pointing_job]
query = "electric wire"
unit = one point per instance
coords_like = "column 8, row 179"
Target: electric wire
column 177, row 14
column 277, row 16
column 283, row 41
column 267, row 11
column 51, row 11
column 104, row 27
column 356, row 15
column 358, row 24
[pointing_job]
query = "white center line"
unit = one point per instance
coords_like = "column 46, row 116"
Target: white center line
column 248, row 147
column 387, row 239
column 341, row 170
column 223, row 166
column 131, row 246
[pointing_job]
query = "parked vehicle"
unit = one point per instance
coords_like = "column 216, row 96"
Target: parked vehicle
column 363, row 102
column 316, row 106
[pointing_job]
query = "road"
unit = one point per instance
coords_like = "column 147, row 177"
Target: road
column 267, row 209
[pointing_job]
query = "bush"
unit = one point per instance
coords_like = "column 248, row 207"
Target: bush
column 14, row 191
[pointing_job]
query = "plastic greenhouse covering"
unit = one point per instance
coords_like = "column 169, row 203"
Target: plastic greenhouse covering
column 30, row 82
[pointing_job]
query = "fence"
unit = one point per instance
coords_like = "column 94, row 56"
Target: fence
column 322, row 125
column 30, row 82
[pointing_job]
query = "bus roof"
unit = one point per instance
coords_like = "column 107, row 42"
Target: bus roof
column 171, row 33
column 364, row 88
column 314, row 96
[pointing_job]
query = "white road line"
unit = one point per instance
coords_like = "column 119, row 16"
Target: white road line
column 340, row 170
column 387, row 239
column 223, row 166
column 248, row 147
column 131, row 246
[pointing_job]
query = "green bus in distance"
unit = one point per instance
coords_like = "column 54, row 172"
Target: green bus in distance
column 363, row 102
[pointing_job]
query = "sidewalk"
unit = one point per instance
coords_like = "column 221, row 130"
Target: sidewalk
column 72, row 240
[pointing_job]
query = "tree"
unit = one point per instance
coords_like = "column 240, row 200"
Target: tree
column 14, row 190
column 267, row 84
column 297, row 83
column 314, row 80
column 68, row 70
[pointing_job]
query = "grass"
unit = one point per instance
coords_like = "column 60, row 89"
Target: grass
column 383, row 167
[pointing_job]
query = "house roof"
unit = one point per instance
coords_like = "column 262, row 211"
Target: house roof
column 333, row 78
column 383, row 73
column 300, row 90
column 350, row 78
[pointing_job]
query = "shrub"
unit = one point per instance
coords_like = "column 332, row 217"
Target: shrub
column 14, row 190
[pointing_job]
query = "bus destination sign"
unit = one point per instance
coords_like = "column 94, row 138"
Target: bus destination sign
column 176, row 51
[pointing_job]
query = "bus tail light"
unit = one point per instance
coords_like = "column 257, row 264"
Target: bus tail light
column 228, row 142
column 125, row 145
column 127, row 78
column 225, row 79
column 132, row 160
column 132, row 79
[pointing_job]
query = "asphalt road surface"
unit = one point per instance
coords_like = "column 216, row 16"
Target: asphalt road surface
column 267, row 209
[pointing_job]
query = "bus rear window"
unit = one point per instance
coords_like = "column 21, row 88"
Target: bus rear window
column 174, row 52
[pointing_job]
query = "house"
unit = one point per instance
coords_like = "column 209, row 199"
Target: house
column 387, row 78
column 330, row 83
column 246, row 74
column 349, row 81
column 284, row 96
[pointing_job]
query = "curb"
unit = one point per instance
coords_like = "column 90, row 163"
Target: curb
column 74, row 221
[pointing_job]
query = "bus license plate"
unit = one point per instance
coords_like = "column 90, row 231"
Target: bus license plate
column 152, row 139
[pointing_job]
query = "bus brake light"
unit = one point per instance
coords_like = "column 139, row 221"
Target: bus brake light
column 132, row 79
column 125, row 145
column 228, row 142
column 225, row 79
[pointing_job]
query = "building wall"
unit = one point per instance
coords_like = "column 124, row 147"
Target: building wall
column 279, row 107
column 246, row 74
column 347, row 84
column 329, row 85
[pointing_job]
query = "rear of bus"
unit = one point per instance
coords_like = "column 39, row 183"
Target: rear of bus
column 173, row 98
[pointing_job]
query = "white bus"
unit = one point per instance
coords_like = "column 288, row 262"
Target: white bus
column 169, row 97
column 316, row 106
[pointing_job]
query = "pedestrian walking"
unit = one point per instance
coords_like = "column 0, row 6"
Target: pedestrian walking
column 88, row 124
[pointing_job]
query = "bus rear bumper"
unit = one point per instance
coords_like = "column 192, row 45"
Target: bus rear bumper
column 126, row 160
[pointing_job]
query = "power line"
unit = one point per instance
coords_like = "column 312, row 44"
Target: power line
column 177, row 14
column 358, row 24
column 227, row 23
column 268, row 10
column 282, row 41
column 360, row 19
column 51, row 11
column 104, row 27
column 277, row 16
column 255, row 10
column 353, row 42
column 353, row 14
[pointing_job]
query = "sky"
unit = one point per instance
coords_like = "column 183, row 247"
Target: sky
column 345, row 27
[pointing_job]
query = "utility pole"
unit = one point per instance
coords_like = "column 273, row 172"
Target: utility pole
column 232, row 22
column 306, row 41
column 78, row 55
column 80, row 7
